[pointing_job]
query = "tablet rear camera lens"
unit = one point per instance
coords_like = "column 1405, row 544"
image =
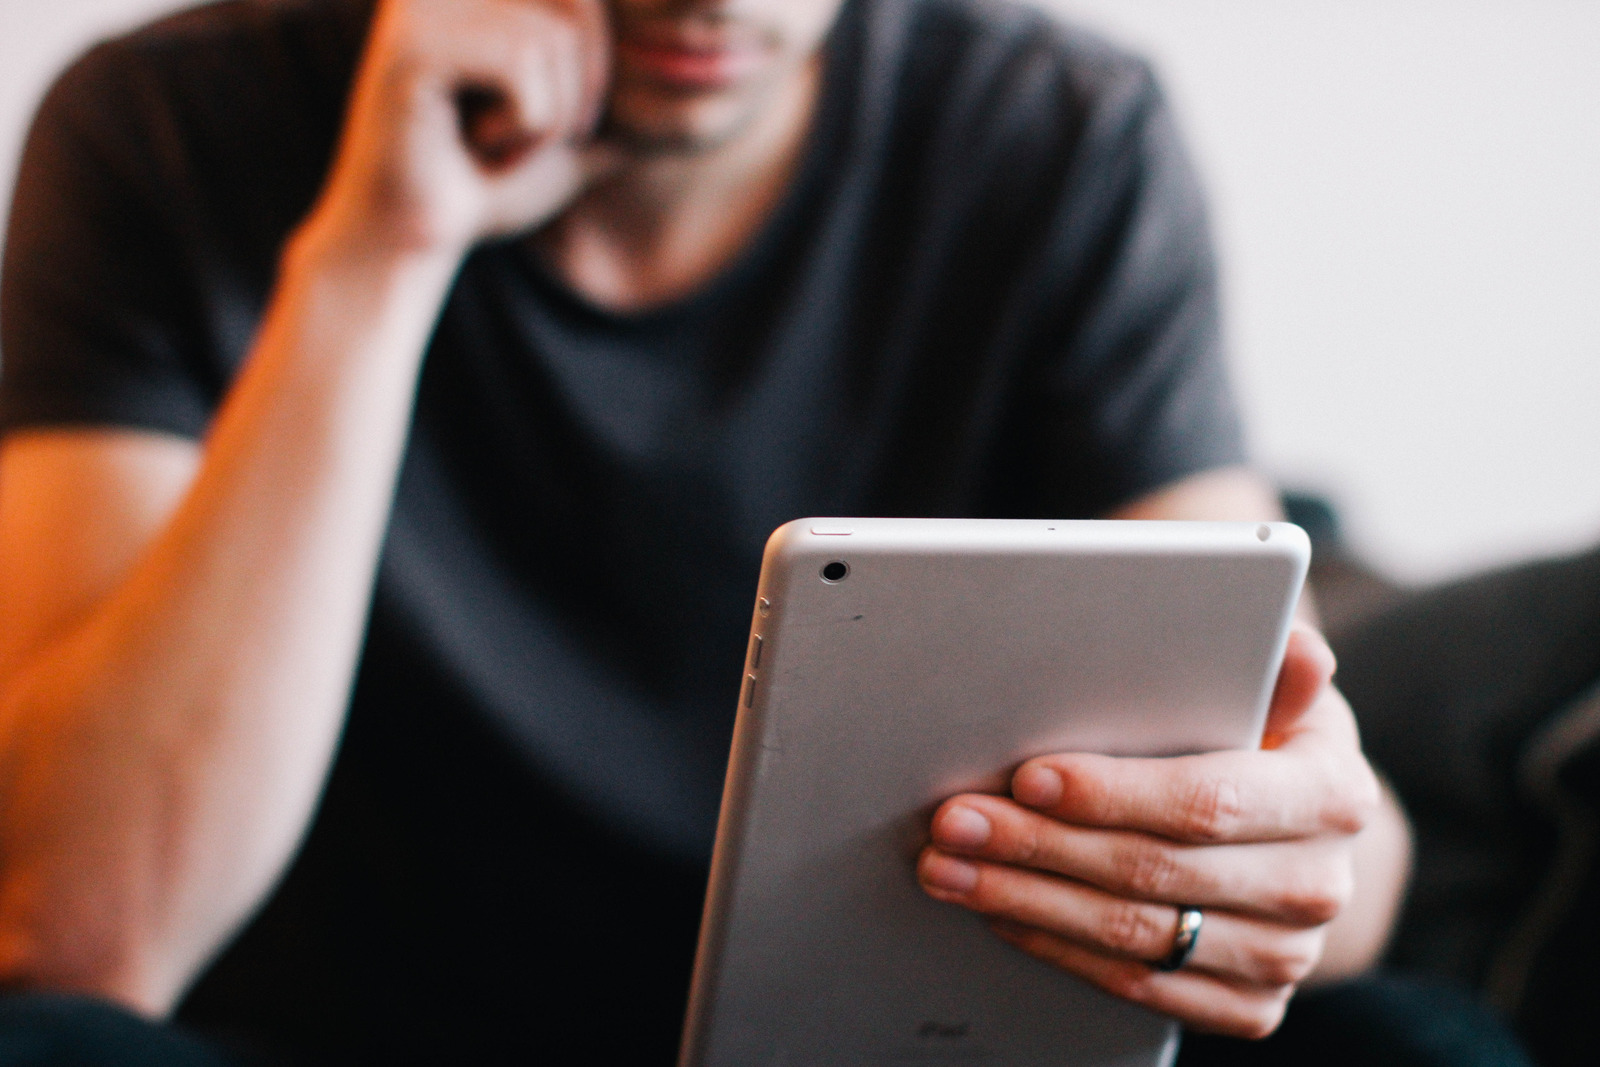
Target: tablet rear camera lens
column 837, row 571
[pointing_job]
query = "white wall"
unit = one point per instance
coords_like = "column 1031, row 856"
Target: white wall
column 1408, row 198
column 1408, row 203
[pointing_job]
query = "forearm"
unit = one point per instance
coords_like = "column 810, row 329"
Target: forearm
column 165, row 752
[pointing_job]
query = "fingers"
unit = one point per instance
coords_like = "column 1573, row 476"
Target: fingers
column 1201, row 1001
column 1313, row 779
column 468, row 118
column 1088, row 866
column 1296, row 882
column 520, row 75
column 1214, row 798
column 1238, row 948
column 554, row 173
column 1308, row 666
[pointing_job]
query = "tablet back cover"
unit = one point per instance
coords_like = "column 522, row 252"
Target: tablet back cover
column 951, row 651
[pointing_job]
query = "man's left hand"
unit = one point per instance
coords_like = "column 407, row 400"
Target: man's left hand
column 1090, row 861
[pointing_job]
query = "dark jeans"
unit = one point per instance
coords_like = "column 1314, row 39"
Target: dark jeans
column 1386, row 1022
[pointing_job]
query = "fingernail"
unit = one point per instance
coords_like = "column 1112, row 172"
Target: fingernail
column 948, row 873
column 962, row 827
column 1037, row 787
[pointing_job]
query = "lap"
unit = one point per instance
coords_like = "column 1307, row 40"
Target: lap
column 1379, row 1022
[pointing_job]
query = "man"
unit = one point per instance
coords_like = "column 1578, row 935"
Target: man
column 681, row 271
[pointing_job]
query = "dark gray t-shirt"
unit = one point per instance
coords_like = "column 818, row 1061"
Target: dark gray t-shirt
column 989, row 292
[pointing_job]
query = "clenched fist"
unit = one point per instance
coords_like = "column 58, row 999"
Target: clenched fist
column 468, row 118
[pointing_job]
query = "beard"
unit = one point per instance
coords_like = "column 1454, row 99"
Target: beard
column 649, row 121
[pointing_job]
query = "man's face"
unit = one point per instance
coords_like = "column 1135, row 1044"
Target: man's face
column 689, row 75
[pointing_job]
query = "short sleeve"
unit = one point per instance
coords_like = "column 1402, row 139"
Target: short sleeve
column 1133, row 392
column 95, row 323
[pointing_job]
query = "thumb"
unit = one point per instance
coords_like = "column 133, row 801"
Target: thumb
column 1308, row 666
column 545, row 182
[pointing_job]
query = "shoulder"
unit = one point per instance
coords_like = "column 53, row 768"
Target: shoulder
column 970, row 29
column 211, row 85
column 998, row 96
column 1005, row 128
column 1004, row 60
column 162, row 173
column 209, row 48
column 212, row 125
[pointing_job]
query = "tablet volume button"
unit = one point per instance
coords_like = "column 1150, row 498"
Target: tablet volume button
column 749, row 690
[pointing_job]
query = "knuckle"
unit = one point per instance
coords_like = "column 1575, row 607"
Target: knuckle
column 1354, row 800
column 1027, row 846
column 1341, row 887
column 1314, row 904
column 562, row 37
column 1147, row 870
column 1289, row 963
column 1258, row 1014
column 522, row 50
column 996, row 893
column 1133, row 929
column 987, row 896
column 1267, row 1014
column 1131, row 981
column 1133, row 985
column 1213, row 810
column 1326, row 892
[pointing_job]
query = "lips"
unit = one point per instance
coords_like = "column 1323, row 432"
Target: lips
column 691, row 56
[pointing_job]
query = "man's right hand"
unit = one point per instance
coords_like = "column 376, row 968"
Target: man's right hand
column 183, row 620
column 468, row 119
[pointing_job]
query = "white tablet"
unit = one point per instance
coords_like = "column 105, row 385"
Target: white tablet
column 896, row 662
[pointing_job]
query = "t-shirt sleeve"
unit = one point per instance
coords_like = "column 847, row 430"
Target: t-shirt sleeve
column 1133, row 392
column 96, row 326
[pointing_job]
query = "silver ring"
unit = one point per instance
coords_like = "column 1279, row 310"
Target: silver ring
column 1183, row 942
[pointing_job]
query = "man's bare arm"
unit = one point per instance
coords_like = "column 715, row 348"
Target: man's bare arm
column 177, row 647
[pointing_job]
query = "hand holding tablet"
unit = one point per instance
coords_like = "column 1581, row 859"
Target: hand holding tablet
column 1092, row 860
column 1053, row 725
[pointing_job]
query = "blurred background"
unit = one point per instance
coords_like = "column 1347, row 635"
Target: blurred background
column 1407, row 203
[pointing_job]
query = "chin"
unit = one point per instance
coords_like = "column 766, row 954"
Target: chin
column 684, row 125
